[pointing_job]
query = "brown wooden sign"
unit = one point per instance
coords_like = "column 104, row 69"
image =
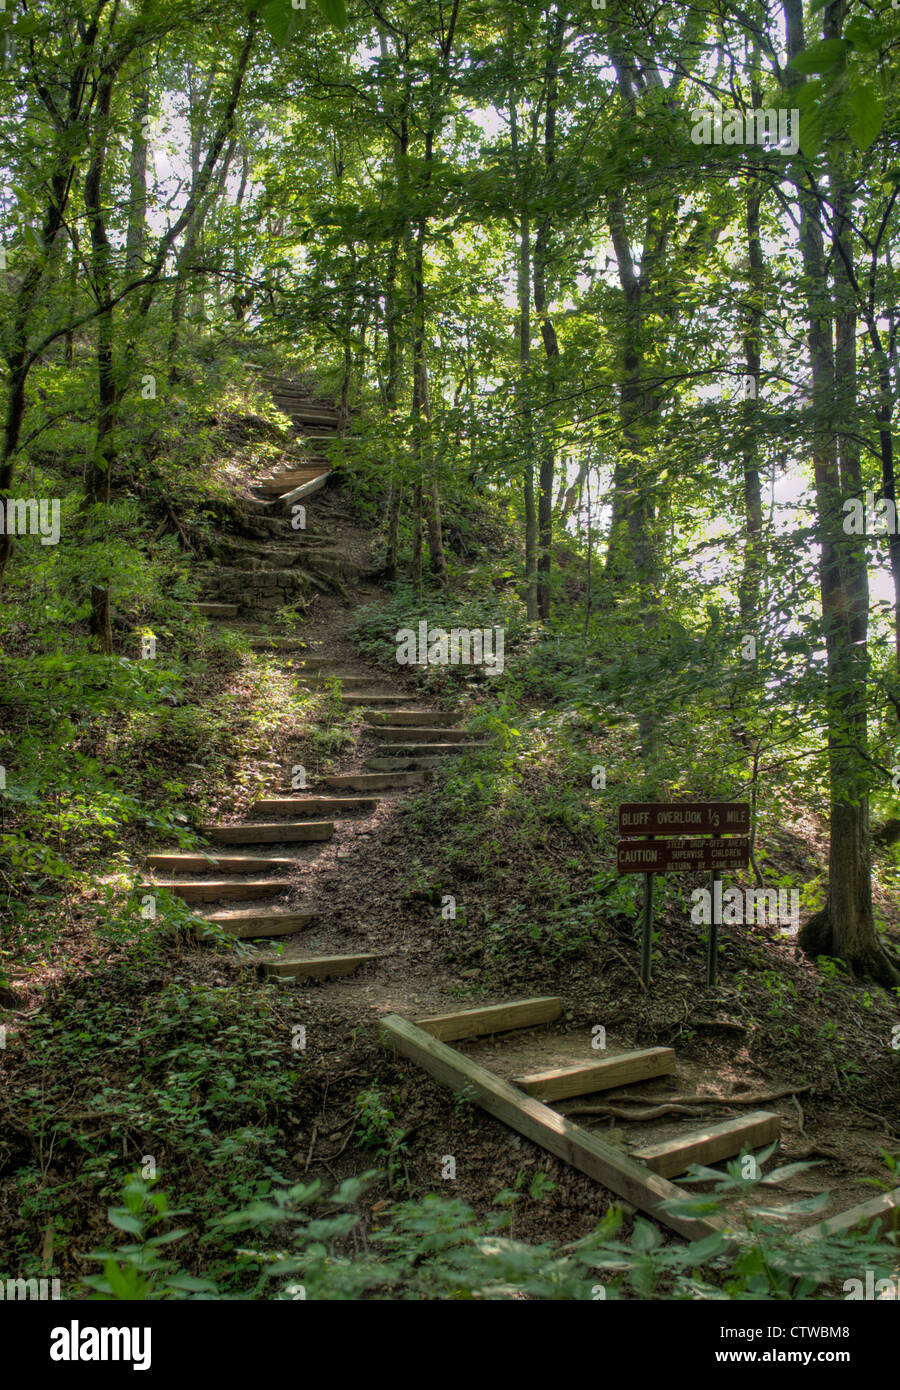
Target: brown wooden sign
column 684, row 818
column 681, row 856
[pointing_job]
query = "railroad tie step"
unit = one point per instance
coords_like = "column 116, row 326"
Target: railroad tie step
column 558, row 1083
column 365, row 697
column 711, row 1143
column 403, row 733
column 375, row 781
column 314, row 661
column 415, row 717
column 404, row 764
column 883, row 1211
column 305, row 489
column 217, row 610
column 213, row 889
column 280, row 644
column 275, row 832
column 262, row 923
column 492, row 1018
column 433, row 749
column 346, row 674
column 314, row 805
column 313, row 967
column 224, row 863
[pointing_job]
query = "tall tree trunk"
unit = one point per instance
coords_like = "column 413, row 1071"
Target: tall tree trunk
column 137, row 173
column 548, row 331
column 98, row 478
column 845, row 927
column 523, row 296
column 749, row 586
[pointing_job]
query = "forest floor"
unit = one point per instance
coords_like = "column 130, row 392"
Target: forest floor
column 120, row 1051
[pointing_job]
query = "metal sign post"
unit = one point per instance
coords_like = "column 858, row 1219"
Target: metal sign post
column 651, row 855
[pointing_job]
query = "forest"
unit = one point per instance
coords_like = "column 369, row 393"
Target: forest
column 449, row 653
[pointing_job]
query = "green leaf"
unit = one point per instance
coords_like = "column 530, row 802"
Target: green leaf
column 812, row 132
column 822, row 56
column 281, row 21
column 123, row 1221
column 868, row 114
column 335, row 11
column 863, row 34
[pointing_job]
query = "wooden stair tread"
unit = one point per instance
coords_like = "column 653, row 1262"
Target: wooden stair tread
column 306, row 967
column 217, row 610
column 711, row 1143
column 883, row 1210
column 271, row 922
column 412, row 718
column 362, row 781
column 362, row 697
column 492, row 1018
column 200, row 863
column 401, row 733
column 424, row 750
column 313, row 805
column 583, row 1078
column 274, row 831
column 208, row 890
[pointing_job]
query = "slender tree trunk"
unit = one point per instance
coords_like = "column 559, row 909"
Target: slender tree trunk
column 749, row 586
column 98, row 479
column 523, row 295
column 845, row 927
column 548, row 330
column 18, row 362
column 137, row 173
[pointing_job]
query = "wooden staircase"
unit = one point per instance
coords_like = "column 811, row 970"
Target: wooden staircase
column 314, row 424
column 231, row 871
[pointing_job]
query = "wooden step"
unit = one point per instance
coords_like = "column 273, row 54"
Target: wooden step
column 217, row 610
column 882, row 1211
column 279, row 484
column 375, row 781
column 314, row 967
column 493, row 1018
column 402, row 764
column 365, row 697
column 211, row 890
column 262, row 923
column 428, row 750
column 557, row 1083
column 428, row 718
column 305, row 489
column 275, row 832
column 225, row 863
column 314, row 805
column 339, row 671
column 308, row 415
column 301, row 474
column 279, row 644
column 711, row 1144
column 426, row 733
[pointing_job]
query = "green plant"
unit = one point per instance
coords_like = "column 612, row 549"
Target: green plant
column 140, row 1269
